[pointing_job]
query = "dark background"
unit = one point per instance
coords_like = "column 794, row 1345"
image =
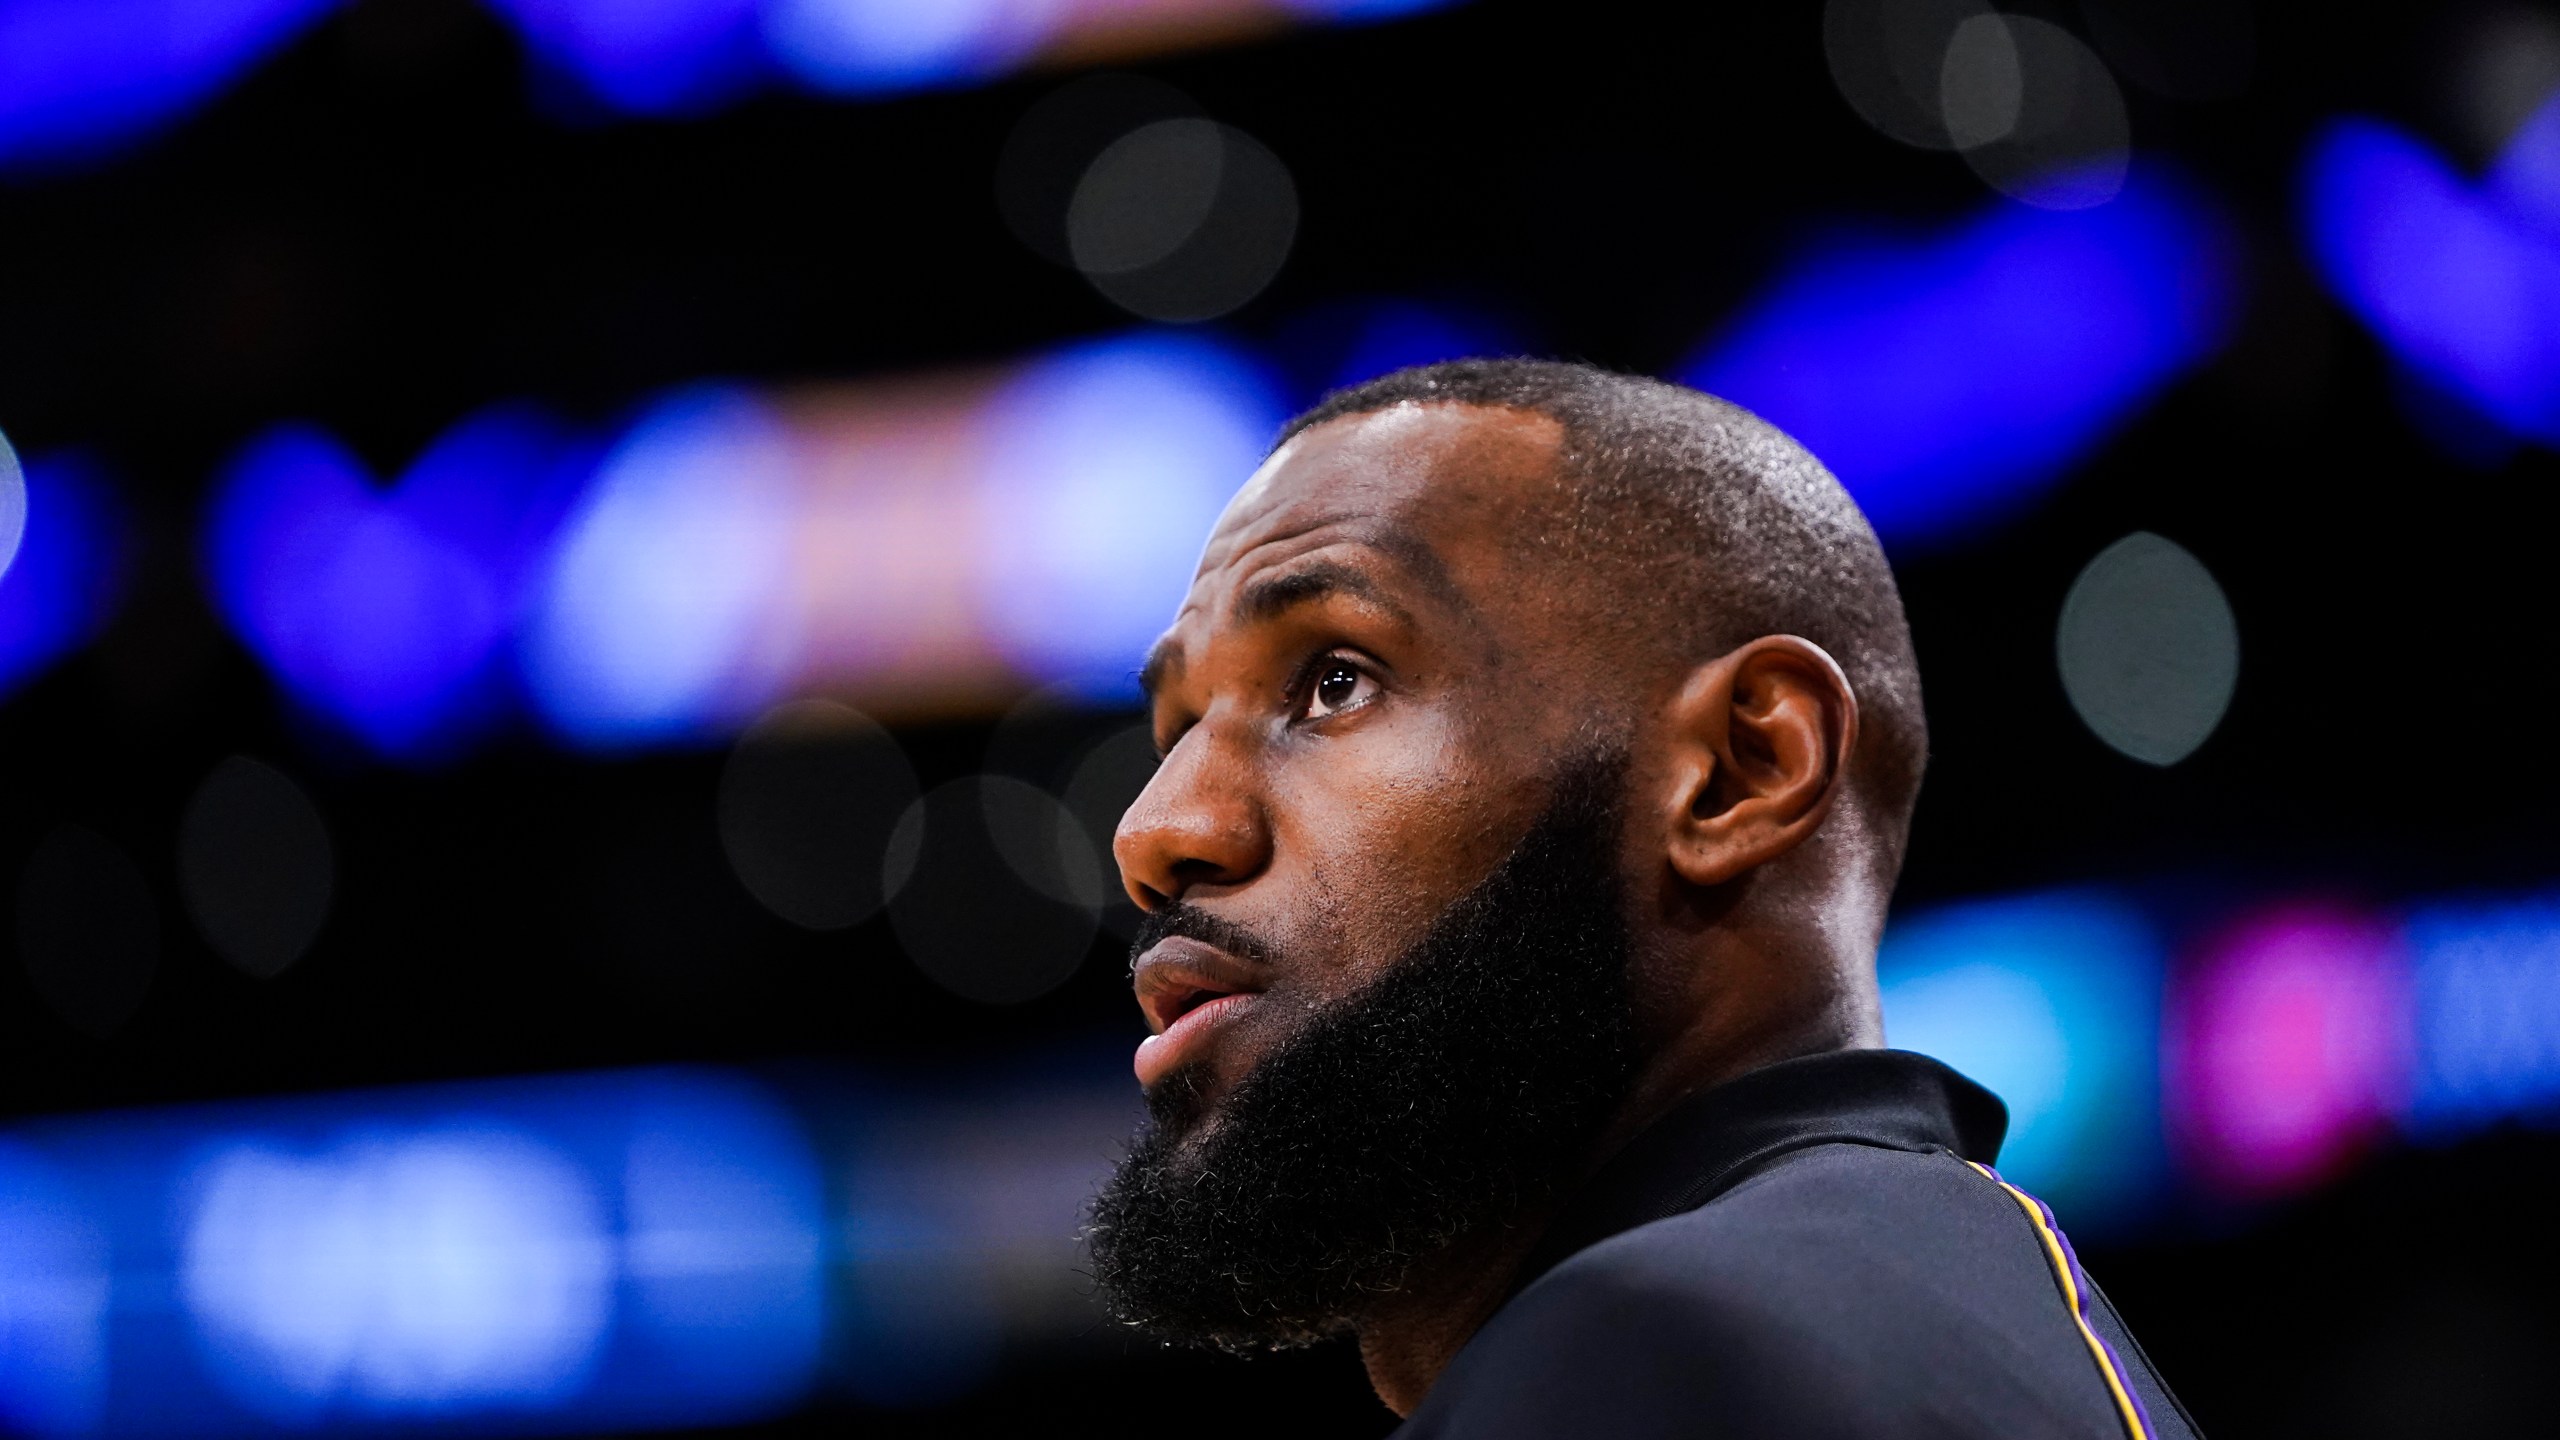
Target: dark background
column 392, row 223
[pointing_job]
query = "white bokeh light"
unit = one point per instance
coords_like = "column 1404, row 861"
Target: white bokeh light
column 863, row 46
column 2148, row 648
column 13, row 504
column 1107, row 467
column 662, row 612
column 447, row 1270
column 2035, row 112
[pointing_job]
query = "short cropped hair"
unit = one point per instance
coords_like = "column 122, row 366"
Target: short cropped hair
column 1712, row 528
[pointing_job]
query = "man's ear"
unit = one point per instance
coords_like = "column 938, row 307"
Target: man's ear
column 1760, row 741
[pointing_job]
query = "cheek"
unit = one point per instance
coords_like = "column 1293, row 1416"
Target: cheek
column 1372, row 843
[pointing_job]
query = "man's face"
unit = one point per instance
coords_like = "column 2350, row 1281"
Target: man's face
column 1386, row 951
column 1361, row 706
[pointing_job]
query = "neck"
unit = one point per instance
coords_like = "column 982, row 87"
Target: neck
column 1411, row 1335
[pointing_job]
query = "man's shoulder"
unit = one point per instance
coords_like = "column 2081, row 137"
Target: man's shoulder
column 1846, row 1214
column 1904, row 1268
column 1831, row 1217
column 1847, row 1290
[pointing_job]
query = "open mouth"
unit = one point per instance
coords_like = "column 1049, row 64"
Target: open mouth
column 1178, row 976
column 1187, row 990
column 1184, row 1002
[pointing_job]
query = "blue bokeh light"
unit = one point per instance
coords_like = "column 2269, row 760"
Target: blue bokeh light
column 456, row 1268
column 659, row 616
column 1108, row 463
column 2053, row 1002
column 55, row 1282
column 612, row 1251
column 62, row 584
column 386, row 611
column 82, row 79
column 864, row 47
column 2460, row 280
column 646, row 57
column 2485, row 982
column 1947, row 378
column 724, row 1250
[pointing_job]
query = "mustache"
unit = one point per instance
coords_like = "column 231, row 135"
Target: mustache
column 1189, row 922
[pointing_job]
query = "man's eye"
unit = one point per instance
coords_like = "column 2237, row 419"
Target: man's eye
column 1338, row 686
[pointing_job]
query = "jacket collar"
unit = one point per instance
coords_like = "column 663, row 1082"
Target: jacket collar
column 1711, row 1141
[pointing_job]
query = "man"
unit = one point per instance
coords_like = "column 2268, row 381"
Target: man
column 1539, row 749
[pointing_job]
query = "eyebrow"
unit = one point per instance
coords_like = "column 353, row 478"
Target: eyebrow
column 1273, row 596
column 1270, row 598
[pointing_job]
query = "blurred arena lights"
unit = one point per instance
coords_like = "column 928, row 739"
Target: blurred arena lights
column 941, row 544
column 918, row 547
column 1182, row 220
column 661, row 58
column 2051, row 1000
column 387, row 611
column 2288, row 1048
column 633, row 1250
column 2485, row 980
column 1947, row 378
column 2459, row 279
column 867, row 47
column 2266, row 1059
column 61, row 582
column 1107, row 464
column 13, row 503
column 444, row 1269
column 2148, row 649
column 612, row 1251
column 928, row 547
column 660, row 612
column 688, row 1247
column 2034, row 111
column 54, row 1284
column 1889, row 60
column 81, row 80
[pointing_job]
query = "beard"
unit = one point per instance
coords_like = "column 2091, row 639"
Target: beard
column 1453, row 1094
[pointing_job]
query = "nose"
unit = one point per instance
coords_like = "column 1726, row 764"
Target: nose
column 1198, row 823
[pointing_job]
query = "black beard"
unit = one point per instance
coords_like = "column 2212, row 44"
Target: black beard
column 1455, row 1093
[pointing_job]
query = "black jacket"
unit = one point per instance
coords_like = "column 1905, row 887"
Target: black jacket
column 1815, row 1249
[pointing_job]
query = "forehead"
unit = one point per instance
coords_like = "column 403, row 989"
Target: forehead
column 1432, row 486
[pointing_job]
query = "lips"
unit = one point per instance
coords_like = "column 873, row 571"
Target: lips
column 1189, row 991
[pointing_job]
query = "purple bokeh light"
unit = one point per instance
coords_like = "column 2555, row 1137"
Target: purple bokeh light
column 386, row 611
column 61, row 586
column 2287, row 1050
column 2461, row 280
column 1947, row 377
